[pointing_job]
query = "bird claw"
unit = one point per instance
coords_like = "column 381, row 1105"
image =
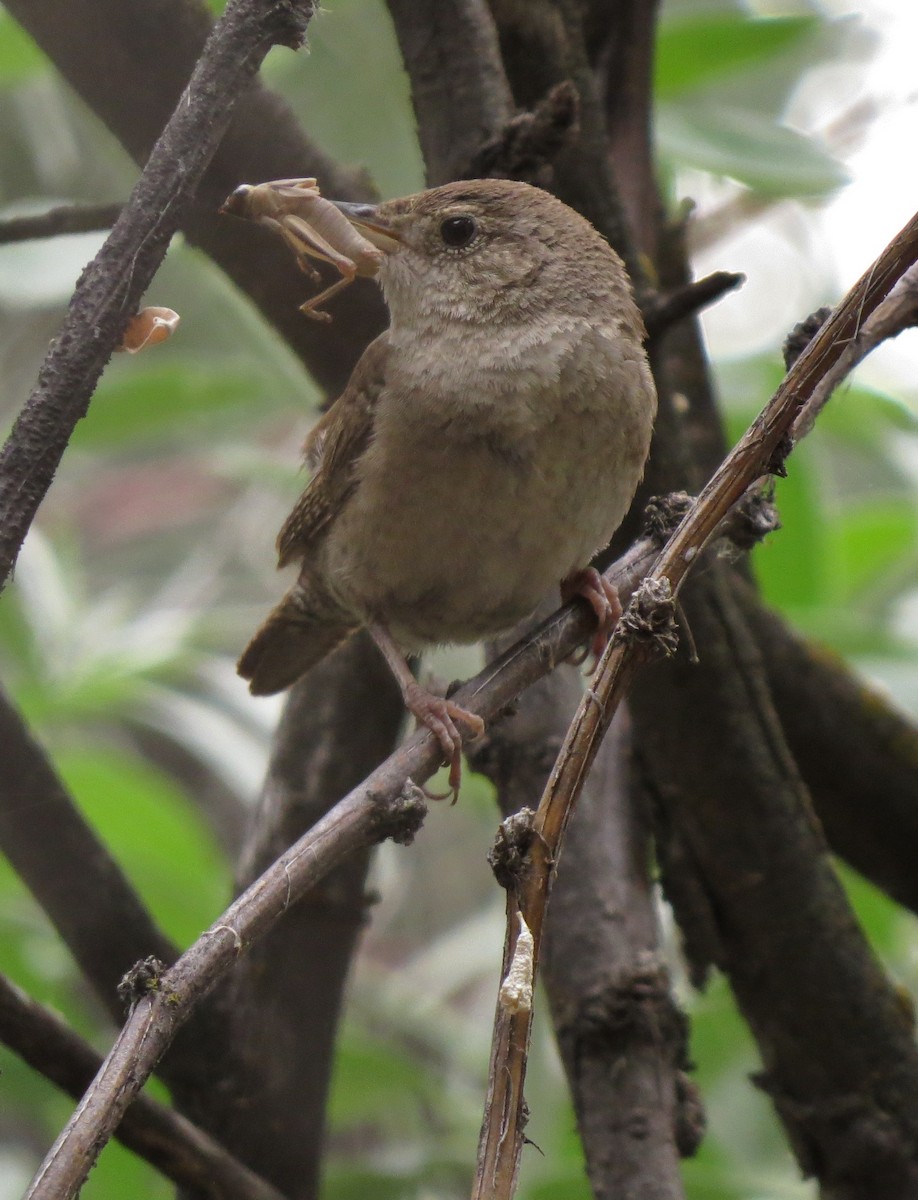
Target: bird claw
column 602, row 596
column 440, row 716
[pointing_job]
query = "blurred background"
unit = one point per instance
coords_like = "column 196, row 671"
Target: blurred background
column 791, row 128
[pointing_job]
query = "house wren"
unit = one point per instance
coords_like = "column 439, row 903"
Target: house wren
column 487, row 445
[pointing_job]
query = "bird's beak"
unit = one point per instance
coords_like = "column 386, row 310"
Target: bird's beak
column 367, row 220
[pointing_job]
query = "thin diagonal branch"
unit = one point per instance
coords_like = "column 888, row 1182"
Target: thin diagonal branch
column 168, row 1142
column 149, row 51
column 898, row 312
column 337, row 726
column 110, row 288
column 366, row 815
column 66, row 218
column 644, row 625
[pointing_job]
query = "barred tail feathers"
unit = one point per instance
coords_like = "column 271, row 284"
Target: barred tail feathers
column 291, row 641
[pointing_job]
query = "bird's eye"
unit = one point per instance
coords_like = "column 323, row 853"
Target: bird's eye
column 457, row 232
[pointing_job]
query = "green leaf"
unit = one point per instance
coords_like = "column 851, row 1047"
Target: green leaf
column 874, row 540
column 793, row 564
column 769, row 158
column 692, row 53
column 178, row 400
column 881, row 917
column 865, row 418
column 350, row 1183
column 19, row 56
column 373, row 1080
column 156, row 834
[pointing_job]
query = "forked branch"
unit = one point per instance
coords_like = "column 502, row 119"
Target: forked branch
column 645, row 627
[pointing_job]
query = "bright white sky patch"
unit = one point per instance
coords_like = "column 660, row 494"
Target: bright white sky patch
column 798, row 257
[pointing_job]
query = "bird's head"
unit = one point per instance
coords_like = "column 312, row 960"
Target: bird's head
column 484, row 252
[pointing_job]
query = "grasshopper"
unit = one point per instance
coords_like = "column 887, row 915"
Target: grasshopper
column 312, row 227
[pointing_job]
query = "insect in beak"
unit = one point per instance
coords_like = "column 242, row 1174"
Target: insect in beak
column 366, row 220
column 352, row 237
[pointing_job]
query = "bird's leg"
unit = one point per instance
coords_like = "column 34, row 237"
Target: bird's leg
column 434, row 712
column 602, row 597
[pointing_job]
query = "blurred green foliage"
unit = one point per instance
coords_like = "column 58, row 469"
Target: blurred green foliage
column 152, row 560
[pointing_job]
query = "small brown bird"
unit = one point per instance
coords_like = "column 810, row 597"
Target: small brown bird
column 488, row 444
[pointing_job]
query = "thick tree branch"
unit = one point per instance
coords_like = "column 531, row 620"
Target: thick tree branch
column 166, row 1140
column 623, row 57
column 460, row 93
column 542, row 47
column 110, row 288
column 623, row 1038
column 100, row 918
column 746, row 868
column 863, row 786
column 337, row 726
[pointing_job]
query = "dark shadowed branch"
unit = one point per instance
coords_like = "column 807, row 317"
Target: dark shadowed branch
column 450, row 51
column 337, row 726
column 97, row 913
column 166, row 1140
column 620, row 1035
column 747, row 870
column 67, row 218
column 542, row 46
column 863, row 787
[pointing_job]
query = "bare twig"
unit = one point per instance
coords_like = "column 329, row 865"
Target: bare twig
column 620, row 1034
column 167, row 1141
column 665, row 310
column 111, row 286
column 898, row 312
column 366, row 815
column 529, row 143
column 645, row 626
column 67, row 218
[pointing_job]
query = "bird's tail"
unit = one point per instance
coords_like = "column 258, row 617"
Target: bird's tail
column 293, row 638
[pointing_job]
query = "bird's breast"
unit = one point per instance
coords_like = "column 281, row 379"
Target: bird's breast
column 471, row 504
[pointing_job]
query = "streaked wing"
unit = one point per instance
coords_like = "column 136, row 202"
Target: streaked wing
column 333, row 449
